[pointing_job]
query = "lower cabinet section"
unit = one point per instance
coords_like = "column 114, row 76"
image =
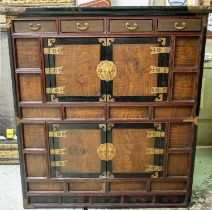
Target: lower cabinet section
column 108, row 165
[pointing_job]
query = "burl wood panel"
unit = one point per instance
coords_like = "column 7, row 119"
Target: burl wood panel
column 186, row 52
column 168, row 185
column 36, row 165
column 184, row 86
column 130, row 145
column 133, row 63
column 46, row 186
column 34, row 135
column 178, row 164
column 71, row 25
column 81, row 156
column 30, row 87
column 79, row 77
column 45, row 26
column 180, row 135
column 127, row 186
column 41, row 112
column 172, row 112
column 85, row 112
column 86, row 186
column 168, row 24
column 27, row 53
column 120, row 25
column 134, row 112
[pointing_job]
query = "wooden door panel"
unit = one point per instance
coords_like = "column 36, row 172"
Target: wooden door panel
column 73, row 150
column 72, row 69
column 138, row 147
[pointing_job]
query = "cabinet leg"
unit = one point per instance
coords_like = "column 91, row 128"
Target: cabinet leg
column 85, row 208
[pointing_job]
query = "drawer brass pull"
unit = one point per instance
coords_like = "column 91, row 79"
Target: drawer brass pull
column 131, row 28
column 178, row 26
column 34, row 27
column 82, row 28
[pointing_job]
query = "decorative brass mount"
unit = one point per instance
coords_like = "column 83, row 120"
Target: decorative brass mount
column 58, row 134
column 106, row 151
column 192, row 120
column 106, row 70
column 106, row 41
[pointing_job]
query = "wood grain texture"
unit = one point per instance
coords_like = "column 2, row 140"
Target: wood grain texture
column 82, row 151
column 133, row 63
column 120, row 25
column 178, row 164
column 128, row 112
column 40, row 112
column 71, row 25
column 45, row 186
column 180, row 135
column 172, row 112
column 24, row 26
column 30, row 87
column 27, row 53
column 184, row 86
column 168, row 185
column 127, row 186
column 130, row 145
column 36, row 165
column 34, row 135
column 168, row 24
column 186, row 51
column 86, row 186
column 79, row 77
column 85, row 112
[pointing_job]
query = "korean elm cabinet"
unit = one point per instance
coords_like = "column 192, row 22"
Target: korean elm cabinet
column 107, row 102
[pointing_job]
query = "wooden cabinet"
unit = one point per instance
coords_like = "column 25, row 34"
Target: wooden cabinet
column 107, row 104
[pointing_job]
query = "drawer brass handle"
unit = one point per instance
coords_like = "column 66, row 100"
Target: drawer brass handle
column 131, row 28
column 82, row 28
column 34, row 27
column 178, row 26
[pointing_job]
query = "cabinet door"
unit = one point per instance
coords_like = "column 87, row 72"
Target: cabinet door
column 138, row 150
column 142, row 69
column 70, row 69
column 73, row 150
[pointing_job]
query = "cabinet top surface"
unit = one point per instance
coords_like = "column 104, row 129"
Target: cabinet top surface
column 134, row 10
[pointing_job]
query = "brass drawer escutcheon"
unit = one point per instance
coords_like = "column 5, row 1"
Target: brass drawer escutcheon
column 106, row 151
column 82, row 28
column 130, row 27
column 179, row 26
column 34, row 27
column 106, row 70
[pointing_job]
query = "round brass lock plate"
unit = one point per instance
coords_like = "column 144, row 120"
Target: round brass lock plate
column 106, row 70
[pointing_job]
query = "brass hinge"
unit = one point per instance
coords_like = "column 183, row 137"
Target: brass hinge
column 153, row 168
column 155, row 134
column 158, row 70
column 55, row 90
column 58, row 151
column 58, row 163
column 58, row 134
column 156, row 90
column 53, row 51
column 106, row 151
column 106, row 98
column 192, row 120
column 106, row 175
column 158, row 50
column 54, row 70
column 106, row 41
column 154, row 151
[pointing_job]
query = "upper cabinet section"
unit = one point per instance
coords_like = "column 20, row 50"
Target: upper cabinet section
column 101, row 26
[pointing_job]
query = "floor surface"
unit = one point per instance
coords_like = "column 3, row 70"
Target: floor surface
column 11, row 196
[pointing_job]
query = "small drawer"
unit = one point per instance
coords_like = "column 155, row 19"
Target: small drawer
column 80, row 26
column 25, row 26
column 179, row 24
column 132, row 25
